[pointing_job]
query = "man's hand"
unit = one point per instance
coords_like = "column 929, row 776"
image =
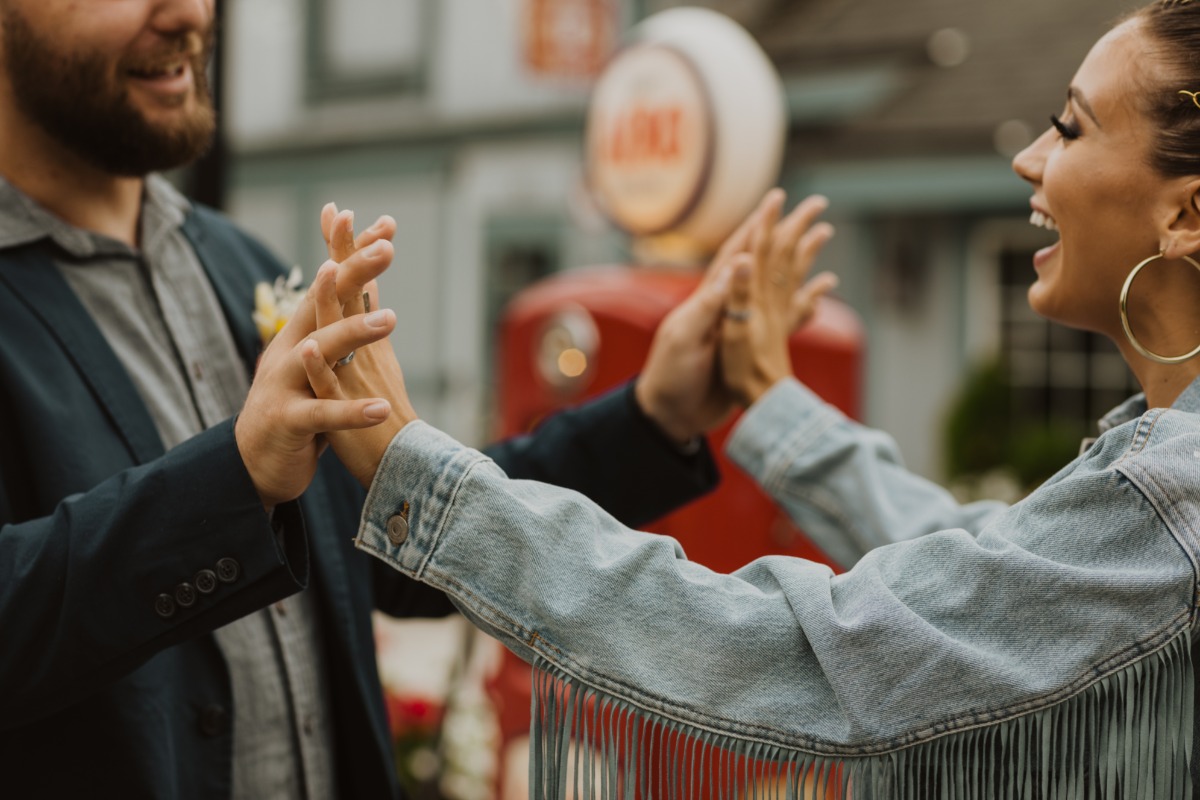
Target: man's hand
column 374, row 372
column 278, row 432
column 770, row 294
column 680, row 387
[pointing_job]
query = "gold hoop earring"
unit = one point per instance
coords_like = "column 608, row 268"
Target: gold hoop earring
column 1125, row 316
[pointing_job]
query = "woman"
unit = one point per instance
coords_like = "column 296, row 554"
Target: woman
column 1042, row 650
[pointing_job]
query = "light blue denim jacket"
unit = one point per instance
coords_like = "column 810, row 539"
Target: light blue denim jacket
column 1042, row 649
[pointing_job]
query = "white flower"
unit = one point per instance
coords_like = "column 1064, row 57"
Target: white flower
column 275, row 303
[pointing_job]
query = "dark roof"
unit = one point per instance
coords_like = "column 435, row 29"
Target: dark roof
column 888, row 97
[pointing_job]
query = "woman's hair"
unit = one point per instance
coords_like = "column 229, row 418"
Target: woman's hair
column 1174, row 28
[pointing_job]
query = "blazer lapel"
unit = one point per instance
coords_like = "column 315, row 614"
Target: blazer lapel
column 37, row 282
column 232, row 279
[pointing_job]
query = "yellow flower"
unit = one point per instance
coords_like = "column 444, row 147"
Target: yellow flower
column 274, row 304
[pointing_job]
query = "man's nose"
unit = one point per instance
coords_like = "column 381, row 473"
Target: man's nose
column 181, row 16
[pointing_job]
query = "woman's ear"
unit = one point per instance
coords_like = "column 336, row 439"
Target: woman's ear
column 1182, row 237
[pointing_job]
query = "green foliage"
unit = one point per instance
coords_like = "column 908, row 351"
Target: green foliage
column 1038, row 451
column 978, row 423
column 982, row 433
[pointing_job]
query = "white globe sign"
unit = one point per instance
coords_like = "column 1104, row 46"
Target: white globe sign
column 685, row 129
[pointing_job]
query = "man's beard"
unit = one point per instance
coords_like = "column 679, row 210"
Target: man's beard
column 72, row 97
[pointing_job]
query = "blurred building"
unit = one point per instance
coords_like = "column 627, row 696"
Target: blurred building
column 464, row 119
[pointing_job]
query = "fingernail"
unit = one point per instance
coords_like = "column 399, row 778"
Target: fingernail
column 375, row 250
column 377, row 411
column 378, row 319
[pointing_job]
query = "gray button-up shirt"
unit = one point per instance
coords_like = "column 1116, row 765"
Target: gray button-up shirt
column 160, row 315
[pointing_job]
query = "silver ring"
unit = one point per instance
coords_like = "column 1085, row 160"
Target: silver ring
column 737, row 316
column 341, row 362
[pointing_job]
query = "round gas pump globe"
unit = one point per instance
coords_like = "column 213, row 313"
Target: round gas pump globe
column 685, row 130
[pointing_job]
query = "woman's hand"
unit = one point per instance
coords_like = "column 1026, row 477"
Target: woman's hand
column 372, row 373
column 680, row 387
column 770, row 296
column 279, row 432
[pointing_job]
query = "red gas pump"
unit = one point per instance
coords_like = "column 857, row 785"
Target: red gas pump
column 579, row 334
column 684, row 136
column 621, row 308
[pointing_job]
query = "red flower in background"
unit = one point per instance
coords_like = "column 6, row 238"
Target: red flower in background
column 413, row 716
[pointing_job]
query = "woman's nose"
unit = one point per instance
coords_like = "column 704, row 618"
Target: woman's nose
column 1030, row 162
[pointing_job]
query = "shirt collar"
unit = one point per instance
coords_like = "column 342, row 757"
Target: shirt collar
column 23, row 221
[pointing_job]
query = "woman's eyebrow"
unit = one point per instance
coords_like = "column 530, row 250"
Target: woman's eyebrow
column 1076, row 95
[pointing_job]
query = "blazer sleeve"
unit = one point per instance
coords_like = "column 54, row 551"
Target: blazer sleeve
column 607, row 450
column 96, row 588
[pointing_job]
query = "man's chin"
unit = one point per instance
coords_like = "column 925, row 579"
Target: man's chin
column 155, row 148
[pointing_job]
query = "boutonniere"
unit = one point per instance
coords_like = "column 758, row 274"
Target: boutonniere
column 274, row 303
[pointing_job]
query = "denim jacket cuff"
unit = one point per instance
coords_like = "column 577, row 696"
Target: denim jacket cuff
column 788, row 406
column 412, row 494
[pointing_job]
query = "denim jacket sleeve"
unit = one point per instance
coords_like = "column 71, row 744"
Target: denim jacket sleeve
column 844, row 484
column 945, row 632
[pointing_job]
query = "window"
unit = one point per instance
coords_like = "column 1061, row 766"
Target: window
column 367, row 47
column 1058, row 376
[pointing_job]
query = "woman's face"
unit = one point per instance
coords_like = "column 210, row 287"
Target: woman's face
column 1092, row 183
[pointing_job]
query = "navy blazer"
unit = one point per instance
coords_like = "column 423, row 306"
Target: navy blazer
column 100, row 695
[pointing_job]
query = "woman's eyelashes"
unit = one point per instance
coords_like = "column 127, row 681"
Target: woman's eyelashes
column 1067, row 130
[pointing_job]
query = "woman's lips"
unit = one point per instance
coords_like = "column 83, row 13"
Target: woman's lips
column 1044, row 255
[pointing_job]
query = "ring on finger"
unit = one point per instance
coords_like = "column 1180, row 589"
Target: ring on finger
column 737, row 315
column 341, row 362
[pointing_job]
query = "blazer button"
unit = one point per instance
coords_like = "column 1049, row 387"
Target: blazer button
column 185, row 595
column 228, row 570
column 397, row 530
column 214, row 720
column 205, row 581
column 164, row 606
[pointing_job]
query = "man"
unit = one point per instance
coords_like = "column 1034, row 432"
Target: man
column 147, row 541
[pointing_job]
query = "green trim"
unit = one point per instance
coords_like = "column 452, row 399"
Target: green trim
column 957, row 185
column 295, row 167
column 837, row 96
column 323, row 82
column 429, row 137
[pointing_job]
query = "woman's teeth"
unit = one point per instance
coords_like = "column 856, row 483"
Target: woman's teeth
column 1040, row 220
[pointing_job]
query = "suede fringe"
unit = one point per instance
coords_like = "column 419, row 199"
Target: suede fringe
column 1127, row 736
